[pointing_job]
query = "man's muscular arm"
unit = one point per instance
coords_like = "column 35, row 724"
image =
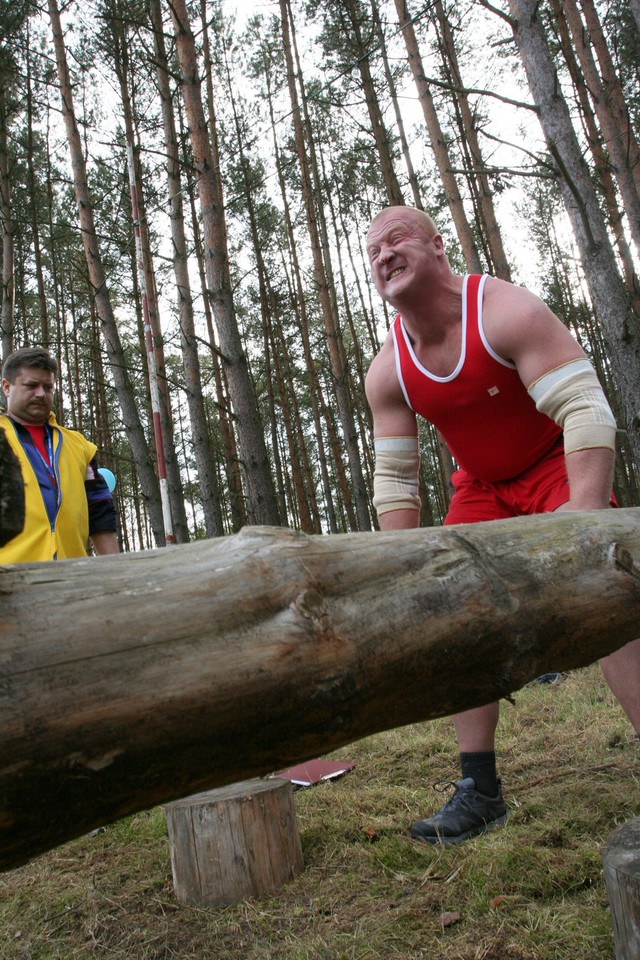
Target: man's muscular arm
column 559, row 377
column 105, row 543
column 396, row 445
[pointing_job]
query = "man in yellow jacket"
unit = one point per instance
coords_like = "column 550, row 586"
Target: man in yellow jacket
column 67, row 501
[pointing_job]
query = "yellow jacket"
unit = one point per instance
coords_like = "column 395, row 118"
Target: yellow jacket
column 72, row 454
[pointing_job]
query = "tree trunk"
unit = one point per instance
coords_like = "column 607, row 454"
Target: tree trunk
column 275, row 356
column 438, row 142
column 54, row 257
column 610, row 108
column 393, row 91
column 356, row 18
column 322, row 268
column 602, row 165
column 34, row 211
column 287, row 646
column 6, row 216
column 223, row 424
column 169, row 475
column 251, row 442
column 98, row 281
column 358, row 364
column 473, row 160
column 298, row 298
column 170, row 478
column 202, row 447
column 620, row 325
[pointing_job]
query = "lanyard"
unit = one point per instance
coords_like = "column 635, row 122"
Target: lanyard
column 49, row 464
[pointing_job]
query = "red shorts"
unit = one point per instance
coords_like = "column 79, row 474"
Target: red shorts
column 540, row 489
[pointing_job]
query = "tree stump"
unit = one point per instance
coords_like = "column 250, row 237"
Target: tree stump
column 621, row 861
column 234, row 843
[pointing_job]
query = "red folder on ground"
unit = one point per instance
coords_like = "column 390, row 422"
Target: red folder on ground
column 314, row 771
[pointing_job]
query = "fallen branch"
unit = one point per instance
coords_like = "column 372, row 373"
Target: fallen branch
column 563, row 774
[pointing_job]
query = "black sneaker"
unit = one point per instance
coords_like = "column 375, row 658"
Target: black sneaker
column 466, row 814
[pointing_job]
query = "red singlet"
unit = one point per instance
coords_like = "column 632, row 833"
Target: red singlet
column 482, row 409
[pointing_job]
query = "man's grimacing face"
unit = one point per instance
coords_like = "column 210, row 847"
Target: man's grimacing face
column 30, row 396
column 401, row 251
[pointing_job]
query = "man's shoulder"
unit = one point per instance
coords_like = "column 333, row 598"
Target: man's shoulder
column 381, row 383
column 73, row 437
column 7, row 425
column 67, row 431
column 502, row 293
column 508, row 307
column 384, row 357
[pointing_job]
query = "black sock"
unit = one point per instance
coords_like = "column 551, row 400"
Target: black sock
column 482, row 768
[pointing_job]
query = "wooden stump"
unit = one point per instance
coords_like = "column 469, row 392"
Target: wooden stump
column 621, row 861
column 237, row 842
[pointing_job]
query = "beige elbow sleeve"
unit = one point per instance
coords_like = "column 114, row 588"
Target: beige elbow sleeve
column 572, row 396
column 395, row 480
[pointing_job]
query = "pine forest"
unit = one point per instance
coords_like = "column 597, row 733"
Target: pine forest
column 185, row 190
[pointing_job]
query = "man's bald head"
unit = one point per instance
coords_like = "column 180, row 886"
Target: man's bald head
column 418, row 216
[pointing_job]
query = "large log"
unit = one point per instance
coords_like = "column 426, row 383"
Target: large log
column 129, row 681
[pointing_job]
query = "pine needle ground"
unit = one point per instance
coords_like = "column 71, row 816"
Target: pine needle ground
column 532, row 890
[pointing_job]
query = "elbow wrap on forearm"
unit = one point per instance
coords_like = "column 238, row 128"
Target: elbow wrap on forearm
column 395, row 480
column 572, row 396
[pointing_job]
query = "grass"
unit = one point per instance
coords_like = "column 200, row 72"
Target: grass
column 532, row 890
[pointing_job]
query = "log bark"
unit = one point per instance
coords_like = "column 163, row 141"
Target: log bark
column 11, row 493
column 133, row 680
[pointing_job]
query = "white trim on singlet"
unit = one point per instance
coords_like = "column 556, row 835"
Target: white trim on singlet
column 396, row 354
column 483, row 336
column 463, row 345
column 416, row 362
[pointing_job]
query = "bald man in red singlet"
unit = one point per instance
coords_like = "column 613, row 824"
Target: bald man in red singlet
column 526, row 420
